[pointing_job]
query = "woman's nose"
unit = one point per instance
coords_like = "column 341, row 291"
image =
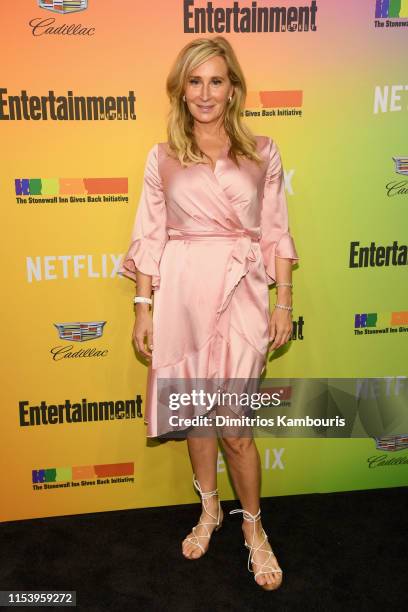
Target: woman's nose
column 205, row 92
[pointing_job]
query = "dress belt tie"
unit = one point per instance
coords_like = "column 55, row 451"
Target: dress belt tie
column 243, row 248
column 204, row 235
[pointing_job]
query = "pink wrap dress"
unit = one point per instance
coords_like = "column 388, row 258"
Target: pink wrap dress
column 209, row 239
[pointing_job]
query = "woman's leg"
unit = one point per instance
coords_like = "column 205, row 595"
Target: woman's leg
column 245, row 469
column 203, row 453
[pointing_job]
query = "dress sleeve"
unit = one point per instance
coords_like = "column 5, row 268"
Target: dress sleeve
column 149, row 234
column 276, row 239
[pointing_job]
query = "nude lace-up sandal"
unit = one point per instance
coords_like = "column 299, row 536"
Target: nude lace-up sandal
column 195, row 539
column 264, row 567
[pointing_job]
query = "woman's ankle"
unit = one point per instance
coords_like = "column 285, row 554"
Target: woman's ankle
column 252, row 527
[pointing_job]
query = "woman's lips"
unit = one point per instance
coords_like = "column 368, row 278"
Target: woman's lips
column 205, row 109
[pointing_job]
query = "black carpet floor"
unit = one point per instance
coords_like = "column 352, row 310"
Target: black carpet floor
column 338, row 551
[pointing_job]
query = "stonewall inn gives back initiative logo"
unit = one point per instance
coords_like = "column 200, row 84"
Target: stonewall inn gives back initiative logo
column 391, row 14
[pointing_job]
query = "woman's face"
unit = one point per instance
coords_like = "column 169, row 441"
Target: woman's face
column 207, row 90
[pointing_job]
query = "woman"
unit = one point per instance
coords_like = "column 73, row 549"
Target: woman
column 211, row 232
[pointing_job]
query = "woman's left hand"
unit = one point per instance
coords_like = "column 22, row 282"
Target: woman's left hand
column 280, row 327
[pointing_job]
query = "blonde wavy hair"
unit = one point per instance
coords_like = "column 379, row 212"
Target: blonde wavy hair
column 180, row 121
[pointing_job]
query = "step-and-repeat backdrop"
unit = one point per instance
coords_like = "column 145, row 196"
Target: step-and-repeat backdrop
column 82, row 100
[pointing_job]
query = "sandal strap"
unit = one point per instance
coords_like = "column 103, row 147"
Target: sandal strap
column 196, row 543
column 204, row 535
column 253, row 549
column 204, row 496
column 264, row 564
column 247, row 515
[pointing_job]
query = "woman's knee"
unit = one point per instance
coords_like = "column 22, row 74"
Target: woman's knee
column 237, row 446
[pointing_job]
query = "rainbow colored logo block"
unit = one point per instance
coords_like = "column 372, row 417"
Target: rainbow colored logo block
column 64, row 474
column 274, row 99
column 70, row 186
column 381, row 319
column 391, row 9
column 63, row 6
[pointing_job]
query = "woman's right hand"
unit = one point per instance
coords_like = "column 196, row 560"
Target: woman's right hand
column 143, row 330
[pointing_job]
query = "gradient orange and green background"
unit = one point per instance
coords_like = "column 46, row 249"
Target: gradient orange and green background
column 340, row 155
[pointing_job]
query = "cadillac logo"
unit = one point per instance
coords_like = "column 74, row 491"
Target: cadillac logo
column 401, row 165
column 63, row 6
column 80, row 331
column 392, row 443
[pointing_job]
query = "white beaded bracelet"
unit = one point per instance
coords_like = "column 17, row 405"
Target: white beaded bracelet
column 282, row 306
column 144, row 300
column 284, row 285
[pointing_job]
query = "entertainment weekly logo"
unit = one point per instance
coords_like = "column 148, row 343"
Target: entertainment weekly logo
column 54, row 27
column 69, row 107
column 256, row 17
column 76, row 413
column 377, row 255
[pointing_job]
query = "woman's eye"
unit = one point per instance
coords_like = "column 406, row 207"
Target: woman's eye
column 195, row 81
